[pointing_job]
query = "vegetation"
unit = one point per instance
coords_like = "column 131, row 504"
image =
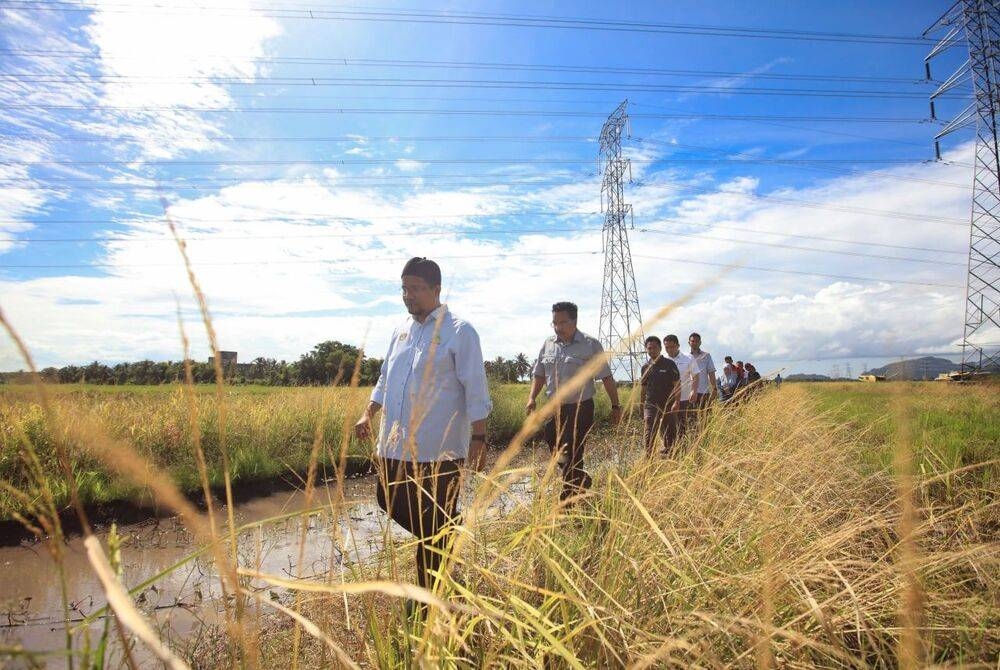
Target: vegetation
column 328, row 363
column 830, row 526
column 270, row 433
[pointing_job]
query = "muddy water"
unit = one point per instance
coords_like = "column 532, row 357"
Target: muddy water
column 181, row 602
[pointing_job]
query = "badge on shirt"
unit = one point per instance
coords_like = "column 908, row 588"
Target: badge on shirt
column 402, row 336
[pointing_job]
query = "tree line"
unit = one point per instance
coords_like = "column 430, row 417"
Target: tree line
column 329, row 362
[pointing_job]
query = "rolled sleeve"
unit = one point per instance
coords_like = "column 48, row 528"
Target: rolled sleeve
column 471, row 374
column 378, row 393
column 539, row 370
column 605, row 369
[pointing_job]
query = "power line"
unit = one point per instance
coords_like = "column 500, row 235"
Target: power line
column 303, row 218
column 827, row 131
column 285, row 236
column 340, row 261
column 738, row 157
column 463, row 112
column 728, row 155
column 462, row 180
column 460, row 233
column 383, row 181
column 410, row 82
column 354, row 139
column 881, row 213
column 488, row 65
column 486, row 19
column 757, row 268
column 701, row 236
column 436, row 161
column 495, row 255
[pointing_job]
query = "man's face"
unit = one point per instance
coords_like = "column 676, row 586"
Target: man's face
column 653, row 349
column 563, row 325
column 419, row 296
column 673, row 348
column 695, row 342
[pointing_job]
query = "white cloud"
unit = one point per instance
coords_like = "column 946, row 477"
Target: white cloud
column 408, row 165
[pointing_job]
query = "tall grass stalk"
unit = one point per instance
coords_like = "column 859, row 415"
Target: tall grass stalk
column 248, row 648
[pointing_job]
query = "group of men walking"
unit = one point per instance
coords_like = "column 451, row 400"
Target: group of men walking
column 674, row 388
column 434, row 401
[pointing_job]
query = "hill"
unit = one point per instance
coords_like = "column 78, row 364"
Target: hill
column 927, row 367
column 806, row 377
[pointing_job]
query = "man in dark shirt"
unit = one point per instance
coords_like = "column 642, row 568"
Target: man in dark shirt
column 660, row 388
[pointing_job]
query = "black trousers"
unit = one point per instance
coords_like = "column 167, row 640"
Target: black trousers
column 423, row 499
column 676, row 423
column 657, row 421
column 565, row 434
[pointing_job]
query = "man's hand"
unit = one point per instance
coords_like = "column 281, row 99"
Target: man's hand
column 676, row 407
column 363, row 428
column 529, row 407
column 477, row 455
column 616, row 416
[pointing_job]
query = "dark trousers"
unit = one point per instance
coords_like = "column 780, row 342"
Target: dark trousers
column 676, row 423
column 423, row 499
column 565, row 434
column 656, row 420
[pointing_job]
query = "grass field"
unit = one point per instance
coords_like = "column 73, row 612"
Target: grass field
column 826, row 525
column 269, row 433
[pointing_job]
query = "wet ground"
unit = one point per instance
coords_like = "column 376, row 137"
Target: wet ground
column 187, row 598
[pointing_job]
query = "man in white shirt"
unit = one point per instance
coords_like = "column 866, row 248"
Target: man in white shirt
column 433, row 390
column 707, row 390
column 690, row 377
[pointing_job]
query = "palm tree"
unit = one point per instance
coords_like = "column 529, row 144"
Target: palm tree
column 521, row 366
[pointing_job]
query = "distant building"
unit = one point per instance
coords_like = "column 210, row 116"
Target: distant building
column 228, row 359
column 871, row 378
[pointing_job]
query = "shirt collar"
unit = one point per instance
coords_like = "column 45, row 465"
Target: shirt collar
column 432, row 316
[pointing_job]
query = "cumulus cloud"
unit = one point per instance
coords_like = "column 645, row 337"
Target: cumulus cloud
column 311, row 254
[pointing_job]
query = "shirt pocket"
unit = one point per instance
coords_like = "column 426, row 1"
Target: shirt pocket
column 570, row 366
column 549, row 363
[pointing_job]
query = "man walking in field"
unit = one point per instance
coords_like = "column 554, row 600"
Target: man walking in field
column 560, row 358
column 433, row 390
column 659, row 393
column 689, row 371
column 706, row 390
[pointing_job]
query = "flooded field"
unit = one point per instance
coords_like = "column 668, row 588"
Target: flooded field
column 181, row 593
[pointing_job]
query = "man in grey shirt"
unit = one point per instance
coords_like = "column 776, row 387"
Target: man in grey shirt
column 561, row 357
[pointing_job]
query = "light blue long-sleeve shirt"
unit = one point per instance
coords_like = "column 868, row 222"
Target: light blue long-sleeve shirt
column 428, row 405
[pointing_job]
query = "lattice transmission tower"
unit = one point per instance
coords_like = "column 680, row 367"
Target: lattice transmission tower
column 619, row 299
column 978, row 21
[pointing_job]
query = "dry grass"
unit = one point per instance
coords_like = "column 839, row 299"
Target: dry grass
column 780, row 537
column 764, row 544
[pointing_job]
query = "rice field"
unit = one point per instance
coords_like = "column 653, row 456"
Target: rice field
column 269, row 433
column 834, row 525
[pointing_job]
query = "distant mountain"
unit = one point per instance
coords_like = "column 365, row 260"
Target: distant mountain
column 927, row 367
column 802, row 377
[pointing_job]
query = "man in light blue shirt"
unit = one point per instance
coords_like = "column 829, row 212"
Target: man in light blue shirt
column 435, row 400
column 561, row 357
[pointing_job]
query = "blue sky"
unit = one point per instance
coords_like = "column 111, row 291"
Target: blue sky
column 426, row 132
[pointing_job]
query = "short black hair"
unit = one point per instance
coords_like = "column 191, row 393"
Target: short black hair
column 567, row 307
column 654, row 338
column 694, row 335
column 672, row 339
column 424, row 268
column 729, row 359
column 739, row 362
